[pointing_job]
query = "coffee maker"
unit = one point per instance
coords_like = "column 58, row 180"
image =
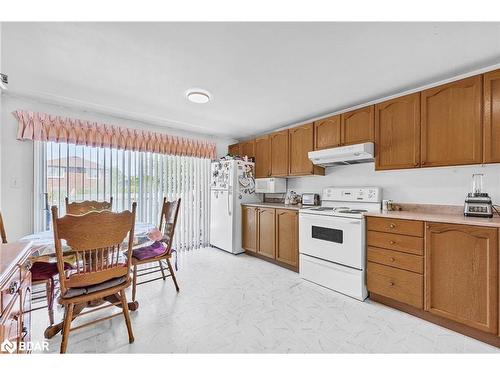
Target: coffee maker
column 478, row 203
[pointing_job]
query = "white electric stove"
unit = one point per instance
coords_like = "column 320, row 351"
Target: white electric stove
column 332, row 239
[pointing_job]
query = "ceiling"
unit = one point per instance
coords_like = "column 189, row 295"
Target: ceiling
column 262, row 75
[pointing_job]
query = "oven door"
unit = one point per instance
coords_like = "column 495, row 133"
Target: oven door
column 336, row 239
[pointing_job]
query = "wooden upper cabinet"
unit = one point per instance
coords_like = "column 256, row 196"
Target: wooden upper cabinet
column 266, row 237
column 461, row 274
column 262, row 157
column 451, row 123
column 327, row 133
column 397, row 133
column 247, row 148
column 301, row 141
column 287, row 237
column 492, row 117
column 279, row 153
column 358, row 125
column 249, row 228
column 234, row 149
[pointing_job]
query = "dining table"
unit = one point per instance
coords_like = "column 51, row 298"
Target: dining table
column 43, row 250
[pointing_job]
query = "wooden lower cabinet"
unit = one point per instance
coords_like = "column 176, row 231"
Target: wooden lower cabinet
column 266, row 233
column 249, row 228
column 461, row 268
column 287, row 237
column 271, row 234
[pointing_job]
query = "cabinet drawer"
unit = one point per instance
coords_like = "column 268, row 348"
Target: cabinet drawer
column 398, row 226
column 398, row 242
column 409, row 262
column 403, row 286
column 10, row 290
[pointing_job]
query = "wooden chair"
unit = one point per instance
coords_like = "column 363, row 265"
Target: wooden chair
column 2, row 230
column 101, row 272
column 168, row 220
column 80, row 208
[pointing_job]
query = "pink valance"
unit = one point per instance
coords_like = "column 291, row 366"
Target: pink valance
column 38, row 126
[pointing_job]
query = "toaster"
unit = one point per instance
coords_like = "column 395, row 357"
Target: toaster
column 310, row 199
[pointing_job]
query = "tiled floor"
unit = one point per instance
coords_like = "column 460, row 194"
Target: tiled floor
column 241, row 304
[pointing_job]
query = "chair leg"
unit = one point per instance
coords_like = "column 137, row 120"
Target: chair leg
column 49, row 289
column 134, row 283
column 126, row 314
column 162, row 270
column 171, row 269
column 68, row 317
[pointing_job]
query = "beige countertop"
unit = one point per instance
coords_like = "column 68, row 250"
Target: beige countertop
column 275, row 205
column 448, row 217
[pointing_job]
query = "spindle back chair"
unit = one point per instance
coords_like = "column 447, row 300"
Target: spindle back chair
column 97, row 240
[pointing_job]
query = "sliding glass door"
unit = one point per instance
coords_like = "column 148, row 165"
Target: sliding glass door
column 89, row 173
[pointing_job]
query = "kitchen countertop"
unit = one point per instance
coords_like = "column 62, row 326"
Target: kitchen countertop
column 275, row 205
column 448, row 217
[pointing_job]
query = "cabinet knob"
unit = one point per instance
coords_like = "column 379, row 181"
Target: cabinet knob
column 428, row 226
column 391, row 283
column 416, row 164
column 392, row 242
column 392, row 259
column 392, row 225
column 422, row 162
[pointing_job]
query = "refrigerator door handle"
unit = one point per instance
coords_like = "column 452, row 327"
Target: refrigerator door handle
column 229, row 199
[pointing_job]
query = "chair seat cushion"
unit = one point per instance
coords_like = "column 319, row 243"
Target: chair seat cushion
column 41, row 271
column 74, row 292
column 151, row 251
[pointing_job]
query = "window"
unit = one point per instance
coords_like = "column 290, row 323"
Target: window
column 127, row 176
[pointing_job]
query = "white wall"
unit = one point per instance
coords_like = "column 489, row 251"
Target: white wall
column 17, row 158
column 446, row 185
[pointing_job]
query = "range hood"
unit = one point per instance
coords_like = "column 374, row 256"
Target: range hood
column 353, row 154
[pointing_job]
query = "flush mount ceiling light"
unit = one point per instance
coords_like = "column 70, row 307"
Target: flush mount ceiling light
column 198, row 96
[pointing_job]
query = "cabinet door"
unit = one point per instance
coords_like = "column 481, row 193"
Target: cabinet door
column 287, row 237
column 301, row 141
column 247, row 148
column 492, row 117
column 461, row 274
column 358, row 125
column 234, row 149
column 266, row 236
column 249, row 228
column 397, row 133
column 279, row 153
column 451, row 123
column 262, row 157
column 327, row 133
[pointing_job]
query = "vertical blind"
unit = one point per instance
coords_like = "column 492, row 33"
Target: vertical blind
column 92, row 173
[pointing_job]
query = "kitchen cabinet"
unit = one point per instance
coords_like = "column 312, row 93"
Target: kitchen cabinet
column 234, row 149
column 262, row 157
column 491, row 116
column 287, row 237
column 397, row 133
column 247, row 148
column 301, row 141
column 327, row 133
column 279, row 153
column 249, row 228
column 266, row 233
column 358, row 126
column 451, row 125
column 461, row 274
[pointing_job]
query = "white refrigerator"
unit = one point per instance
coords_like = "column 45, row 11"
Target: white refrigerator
column 232, row 183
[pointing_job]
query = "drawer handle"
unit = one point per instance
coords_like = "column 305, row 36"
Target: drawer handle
column 391, row 283
column 392, row 226
column 13, row 287
column 392, row 259
column 392, row 242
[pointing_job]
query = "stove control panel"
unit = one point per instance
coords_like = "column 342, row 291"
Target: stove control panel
column 352, row 194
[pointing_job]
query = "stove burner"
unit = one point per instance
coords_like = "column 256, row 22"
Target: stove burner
column 352, row 211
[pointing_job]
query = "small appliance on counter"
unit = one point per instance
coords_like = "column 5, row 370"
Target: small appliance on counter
column 310, row 199
column 270, row 185
column 478, row 203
